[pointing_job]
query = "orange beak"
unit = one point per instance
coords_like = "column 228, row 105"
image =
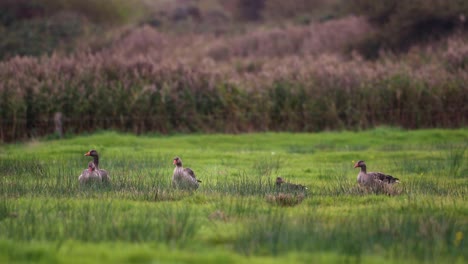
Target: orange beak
column 90, row 169
column 87, row 154
column 174, row 162
column 356, row 165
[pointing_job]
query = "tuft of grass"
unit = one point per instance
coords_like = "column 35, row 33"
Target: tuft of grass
column 170, row 194
column 268, row 165
column 6, row 209
column 456, row 162
column 242, row 184
column 277, row 233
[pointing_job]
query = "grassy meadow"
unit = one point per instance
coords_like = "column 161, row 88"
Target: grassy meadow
column 236, row 215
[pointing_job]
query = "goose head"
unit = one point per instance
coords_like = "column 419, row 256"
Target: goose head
column 177, row 161
column 92, row 153
column 279, row 180
column 359, row 164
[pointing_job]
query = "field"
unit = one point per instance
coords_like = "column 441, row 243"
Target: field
column 237, row 216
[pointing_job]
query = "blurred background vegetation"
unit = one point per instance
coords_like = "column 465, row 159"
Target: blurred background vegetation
column 35, row 27
column 231, row 65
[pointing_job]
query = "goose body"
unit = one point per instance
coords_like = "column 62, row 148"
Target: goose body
column 183, row 178
column 367, row 178
column 103, row 173
column 90, row 174
column 282, row 185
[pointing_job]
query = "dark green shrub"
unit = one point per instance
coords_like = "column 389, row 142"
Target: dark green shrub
column 38, row 36
column 104, row 11
column 248, row 10
column 405, row 23
column 37, row 27
column 12, row 11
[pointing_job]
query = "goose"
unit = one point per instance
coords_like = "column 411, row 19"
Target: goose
column 281, row 184
column 367, row 178
column 183, row 178
column 90, row 174
column 104, row 174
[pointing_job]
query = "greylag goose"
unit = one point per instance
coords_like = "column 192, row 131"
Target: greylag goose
column 90, row 174
column 104, row 174
column 183, row 178
column 367, row 178
column 281, row 184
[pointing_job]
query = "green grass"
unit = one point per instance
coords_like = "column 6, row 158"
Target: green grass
column 47, row 217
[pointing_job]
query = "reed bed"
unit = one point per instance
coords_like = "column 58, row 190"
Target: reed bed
column 278, row 80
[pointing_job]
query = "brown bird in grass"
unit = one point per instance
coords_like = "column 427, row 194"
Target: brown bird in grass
column 368, row 178
column 281, row 184
column 183, row 178
column 103, row 173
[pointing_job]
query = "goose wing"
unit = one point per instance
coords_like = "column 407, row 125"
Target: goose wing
column 191, row 173
column 383, row 177
column 84, row 176
column 290, row 186
column 297, row 187
column 104, row 175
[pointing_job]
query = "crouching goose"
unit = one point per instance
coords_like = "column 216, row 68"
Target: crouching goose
column 368, row 178
column 104, row 174
column 183, row 178
column 282, row 185
column 90, row 174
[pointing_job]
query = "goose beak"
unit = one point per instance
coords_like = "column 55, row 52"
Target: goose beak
column 356, row 165
column 87, row 154
column 174, row 162
column 90, row 169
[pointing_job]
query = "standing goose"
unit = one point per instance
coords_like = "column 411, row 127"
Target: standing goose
column 104, row 174
column 281, row 184
column 90, row 174
column 183, row 178
column 367, row 178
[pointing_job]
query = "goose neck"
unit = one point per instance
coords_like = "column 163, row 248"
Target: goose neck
column 96, row 161
column 363, row 169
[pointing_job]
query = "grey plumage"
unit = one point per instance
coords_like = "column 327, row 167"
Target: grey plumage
column 90, row 174
column 183, row 178
column 104, row 174
column 367, row 178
